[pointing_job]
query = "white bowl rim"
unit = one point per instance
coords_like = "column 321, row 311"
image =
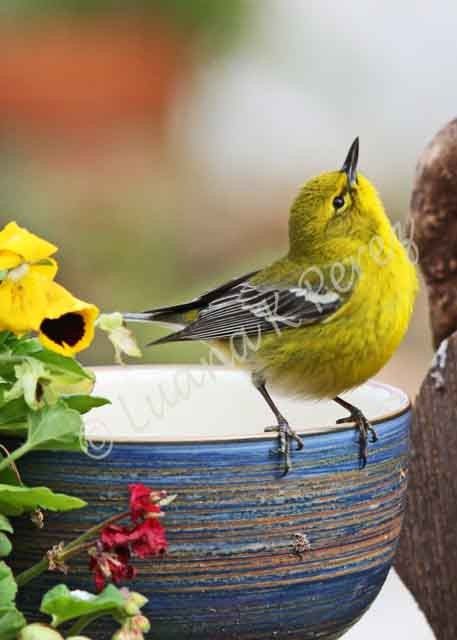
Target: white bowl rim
column 403, row 398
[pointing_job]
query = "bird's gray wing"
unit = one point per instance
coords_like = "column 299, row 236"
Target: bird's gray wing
column 183, row 314
column 248, row 309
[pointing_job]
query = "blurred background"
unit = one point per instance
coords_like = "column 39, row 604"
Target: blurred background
column 159, row 143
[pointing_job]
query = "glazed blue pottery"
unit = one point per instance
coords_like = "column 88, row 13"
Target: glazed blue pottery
column 252, row 555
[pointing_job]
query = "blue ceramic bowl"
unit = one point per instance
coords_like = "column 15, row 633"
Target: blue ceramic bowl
column 252, row 555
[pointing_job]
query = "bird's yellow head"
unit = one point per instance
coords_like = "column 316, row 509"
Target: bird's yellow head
column 336, row 210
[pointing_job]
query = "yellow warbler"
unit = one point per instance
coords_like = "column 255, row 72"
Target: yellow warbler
column 325, row 317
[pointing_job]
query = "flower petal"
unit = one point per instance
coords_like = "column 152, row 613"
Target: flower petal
column 47, row 268
column 112, row 566
column 69, row 323
column 25, row 244
column 148, row 539
column 121, row 338
column 141, row 501
column 23, row 302
column 114, row 535
column 9, row 259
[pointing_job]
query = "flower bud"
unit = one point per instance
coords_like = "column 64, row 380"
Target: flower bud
column 140, row 623
column 39, row 631
column 133, row 628
column 134, row 602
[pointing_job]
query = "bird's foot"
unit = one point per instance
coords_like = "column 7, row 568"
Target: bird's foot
column 365, row 431
column 286, row 435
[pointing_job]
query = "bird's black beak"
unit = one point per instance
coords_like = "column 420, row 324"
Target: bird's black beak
column 350, row 164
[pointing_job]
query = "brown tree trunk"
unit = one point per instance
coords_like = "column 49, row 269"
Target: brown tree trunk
column 427, row 556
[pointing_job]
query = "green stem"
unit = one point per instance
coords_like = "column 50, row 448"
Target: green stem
column 90, row 533
column 82, row 623
column 15, row 455
column 35, row 571
column 67, row 552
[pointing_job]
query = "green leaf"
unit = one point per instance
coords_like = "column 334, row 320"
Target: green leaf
column 8, row 340
column 16, row 500
column 9, row 476
column 11, row 622
column 5, row 524
column 8, row 586
column 84, row 403
column 56, row 428
column 27, row 347
column 4, row 336
column 57, row 362
column 51, row 429
column 28, row 376
column 15, row 411
column 7, row 371
column 62, row 604
column 5, row 546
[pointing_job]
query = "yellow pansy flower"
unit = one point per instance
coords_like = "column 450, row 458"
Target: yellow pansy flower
column 26, row 267
column 69, row 323
column 30, row 300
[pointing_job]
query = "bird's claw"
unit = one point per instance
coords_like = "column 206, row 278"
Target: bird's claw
column 286, row 433
column 365, row 430
column 285, row 436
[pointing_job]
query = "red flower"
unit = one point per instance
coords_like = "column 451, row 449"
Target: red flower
column 110, row 566
column 148, row 539
column 113, row 535
column 143, row 539
column 143, row 501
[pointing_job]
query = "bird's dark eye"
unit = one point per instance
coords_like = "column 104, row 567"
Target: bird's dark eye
column 338, row 202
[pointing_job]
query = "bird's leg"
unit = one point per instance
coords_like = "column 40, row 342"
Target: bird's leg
column 285, row 433
column 363, row 425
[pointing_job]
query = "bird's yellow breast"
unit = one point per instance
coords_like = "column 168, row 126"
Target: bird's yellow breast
column 352, row 345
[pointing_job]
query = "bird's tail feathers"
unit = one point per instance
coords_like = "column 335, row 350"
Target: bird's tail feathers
column 144, row 316
column 173, row 314
column 171, row 337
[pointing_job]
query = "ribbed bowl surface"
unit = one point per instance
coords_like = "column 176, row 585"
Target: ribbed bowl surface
column 233, row 571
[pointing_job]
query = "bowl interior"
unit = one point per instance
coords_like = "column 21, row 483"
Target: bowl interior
column 188, row 403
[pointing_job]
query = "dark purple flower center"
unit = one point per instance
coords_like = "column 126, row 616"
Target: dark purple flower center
column 69, row 328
